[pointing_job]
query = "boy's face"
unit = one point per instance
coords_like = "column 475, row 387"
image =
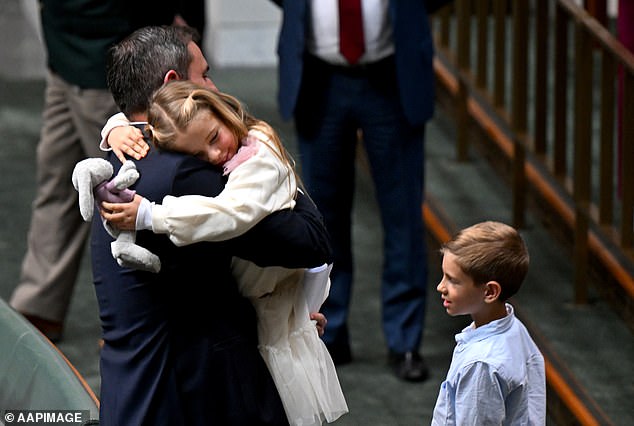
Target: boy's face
column 460, row 294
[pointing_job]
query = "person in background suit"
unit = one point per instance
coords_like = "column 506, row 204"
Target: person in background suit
column 77, row 36
column 193, row 14
column 381, row 87
column 180, row 346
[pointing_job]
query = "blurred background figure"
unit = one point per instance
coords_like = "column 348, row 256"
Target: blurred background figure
column 76, row 36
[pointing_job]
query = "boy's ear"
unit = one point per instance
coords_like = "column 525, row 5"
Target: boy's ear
column 492, row 291
column 170, row 76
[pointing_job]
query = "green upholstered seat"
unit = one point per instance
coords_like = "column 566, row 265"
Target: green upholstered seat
column 34, row 374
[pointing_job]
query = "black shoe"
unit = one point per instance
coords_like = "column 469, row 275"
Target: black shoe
column 409, row 366
column 340, row 354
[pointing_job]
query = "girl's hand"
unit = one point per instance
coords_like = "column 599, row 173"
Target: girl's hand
column 127, row 140
column 321, row 322
column 121, row 215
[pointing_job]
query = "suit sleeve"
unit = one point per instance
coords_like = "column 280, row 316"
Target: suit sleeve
column 299, row 235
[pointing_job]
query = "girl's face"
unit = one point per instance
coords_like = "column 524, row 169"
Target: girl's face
column 460, row 294
column 208, row 139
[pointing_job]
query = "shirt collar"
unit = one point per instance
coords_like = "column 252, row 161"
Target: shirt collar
column 472, row 334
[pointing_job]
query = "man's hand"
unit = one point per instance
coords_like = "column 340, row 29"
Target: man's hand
column 127, row 140
column 321, row 322
column 122, row 215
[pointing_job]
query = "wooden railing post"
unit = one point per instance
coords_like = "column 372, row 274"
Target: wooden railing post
column 462, row 118
column 627, row 155
column 444, row 16
column 463, row 23
column 482, row 48
column 499, row 75
column 582, row 158
column 606, row 154
column 541, row 76
column 560, row 116
column 519, row 108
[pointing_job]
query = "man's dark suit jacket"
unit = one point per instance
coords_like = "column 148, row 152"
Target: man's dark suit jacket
column 180, row 347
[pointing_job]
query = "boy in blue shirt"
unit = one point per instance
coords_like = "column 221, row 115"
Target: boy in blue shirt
column 496, row 376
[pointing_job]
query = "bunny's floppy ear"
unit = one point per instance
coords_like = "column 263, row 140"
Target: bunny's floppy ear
column 87, row 174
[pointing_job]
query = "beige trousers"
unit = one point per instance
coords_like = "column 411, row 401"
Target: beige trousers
column 72, row 121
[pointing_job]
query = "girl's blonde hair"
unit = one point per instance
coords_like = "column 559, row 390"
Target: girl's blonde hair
column 177, row 103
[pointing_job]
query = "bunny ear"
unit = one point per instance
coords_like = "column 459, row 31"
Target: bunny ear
column 86, row 175
column 87, row 207
column 82, row 181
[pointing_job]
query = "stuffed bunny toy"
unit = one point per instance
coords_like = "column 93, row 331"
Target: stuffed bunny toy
column 92, row 180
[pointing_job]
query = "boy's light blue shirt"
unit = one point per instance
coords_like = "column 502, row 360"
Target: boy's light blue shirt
column 496, row 377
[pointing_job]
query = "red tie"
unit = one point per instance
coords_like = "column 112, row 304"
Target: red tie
column 351, row 43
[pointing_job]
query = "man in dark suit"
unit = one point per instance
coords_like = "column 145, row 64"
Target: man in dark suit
column 380, row 85
column 180, row 347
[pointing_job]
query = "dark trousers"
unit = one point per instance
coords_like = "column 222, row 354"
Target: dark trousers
column 334, row 103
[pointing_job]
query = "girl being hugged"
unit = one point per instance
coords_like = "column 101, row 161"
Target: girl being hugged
column 214, row 127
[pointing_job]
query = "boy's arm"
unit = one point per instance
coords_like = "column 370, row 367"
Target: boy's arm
column 480, row 395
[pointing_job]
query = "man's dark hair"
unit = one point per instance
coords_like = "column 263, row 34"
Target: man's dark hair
column 137, row 65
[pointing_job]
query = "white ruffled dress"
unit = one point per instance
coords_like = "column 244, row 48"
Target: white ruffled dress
column 299, row 362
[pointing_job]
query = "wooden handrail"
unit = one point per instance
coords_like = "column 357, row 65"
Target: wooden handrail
column 561, row 136
column 600, row 34
column 497, row 135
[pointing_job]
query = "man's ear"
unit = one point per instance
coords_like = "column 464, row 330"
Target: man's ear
column 170, row 76
column 492, row 291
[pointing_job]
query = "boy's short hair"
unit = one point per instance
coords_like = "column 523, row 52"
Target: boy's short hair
column 491, row 251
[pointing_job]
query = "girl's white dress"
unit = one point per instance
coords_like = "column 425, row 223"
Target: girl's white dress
column 297, row 358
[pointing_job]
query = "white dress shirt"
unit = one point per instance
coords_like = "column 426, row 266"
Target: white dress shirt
column 323, row 31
